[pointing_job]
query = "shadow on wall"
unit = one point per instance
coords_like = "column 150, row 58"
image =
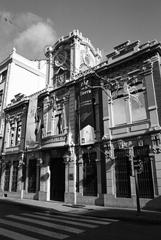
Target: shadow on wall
column 153, row 204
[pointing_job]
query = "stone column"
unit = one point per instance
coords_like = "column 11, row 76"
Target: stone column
column 3, row 176
column 65, row 113
column 66, row 158
column 11, row 174
column 20, row 184
column 151, row 96
column 27, row 170
column 44, row 192
column 19, row 181
column 75, row 56
column 38, row 175
column 49, row 55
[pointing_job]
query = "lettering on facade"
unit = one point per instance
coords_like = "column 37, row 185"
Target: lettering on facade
column 87, row 134
column 54, row 139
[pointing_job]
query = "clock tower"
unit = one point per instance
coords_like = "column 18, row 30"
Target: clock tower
column 71, row 55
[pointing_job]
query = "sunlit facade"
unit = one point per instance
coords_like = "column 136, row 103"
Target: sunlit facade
column 94, row 129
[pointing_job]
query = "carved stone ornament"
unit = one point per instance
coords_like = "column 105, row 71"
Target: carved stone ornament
column 156, row 143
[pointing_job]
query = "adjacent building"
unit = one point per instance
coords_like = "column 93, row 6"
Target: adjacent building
column 19, row 75
column 131, row 110
column 13, row 155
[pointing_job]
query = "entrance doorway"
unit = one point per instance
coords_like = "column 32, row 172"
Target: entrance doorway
column 89, row 174
column 57, row 180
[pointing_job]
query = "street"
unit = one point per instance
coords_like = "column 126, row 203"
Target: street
column 30, row 223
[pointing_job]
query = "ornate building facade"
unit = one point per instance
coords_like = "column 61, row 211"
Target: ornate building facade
column 12, row 174
column 93, row 134
column 131, row 139
column 61, row 173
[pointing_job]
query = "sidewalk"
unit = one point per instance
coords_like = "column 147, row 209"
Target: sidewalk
column 151, row 217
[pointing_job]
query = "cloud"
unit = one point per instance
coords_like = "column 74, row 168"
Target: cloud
column 34, row 39
column 28, row 32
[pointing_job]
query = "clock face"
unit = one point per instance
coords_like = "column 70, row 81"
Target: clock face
column 87, row 59
column 60, row 58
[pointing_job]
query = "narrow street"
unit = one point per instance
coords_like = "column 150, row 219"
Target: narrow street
column 29, row 223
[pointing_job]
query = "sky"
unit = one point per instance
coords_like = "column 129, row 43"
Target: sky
column 31, row 25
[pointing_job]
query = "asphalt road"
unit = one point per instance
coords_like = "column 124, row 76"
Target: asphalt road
column 30, row 223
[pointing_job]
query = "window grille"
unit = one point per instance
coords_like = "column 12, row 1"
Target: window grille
column 145, row 180
column 7, row 177
column 32, row 176
column 122, row 173
column 89, row 174
column 14, row 176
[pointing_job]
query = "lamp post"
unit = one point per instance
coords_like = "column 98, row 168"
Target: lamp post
column 137, row 191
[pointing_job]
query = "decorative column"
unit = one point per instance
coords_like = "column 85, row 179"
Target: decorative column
column 65, row 113
column 155, row 158
column 109, row 164
column 44, row 192
column 20, row 183
column 49, row 55
column 75, row 54
column 27, row 170
column 73, row 158
column 66, row 158
column 11, row 174
column 7, row 134
column 2, row 174
column 151, row 96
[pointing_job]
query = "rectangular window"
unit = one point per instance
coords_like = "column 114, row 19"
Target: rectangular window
column 3, row 76
column 119, row 111
column 14, row 176
column 18, row 132
column 58, row 124
column 12, row 134
column 138, row 106
column 7, row 177
column 129, row 102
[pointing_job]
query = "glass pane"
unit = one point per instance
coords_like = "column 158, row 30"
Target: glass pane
column 138, row 107
column 119, row 111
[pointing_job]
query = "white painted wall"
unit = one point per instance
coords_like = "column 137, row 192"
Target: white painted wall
column 24, row 79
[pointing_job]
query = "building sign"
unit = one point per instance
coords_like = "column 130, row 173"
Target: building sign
column 31, row 123
column 87, row 134
column 54, row 139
